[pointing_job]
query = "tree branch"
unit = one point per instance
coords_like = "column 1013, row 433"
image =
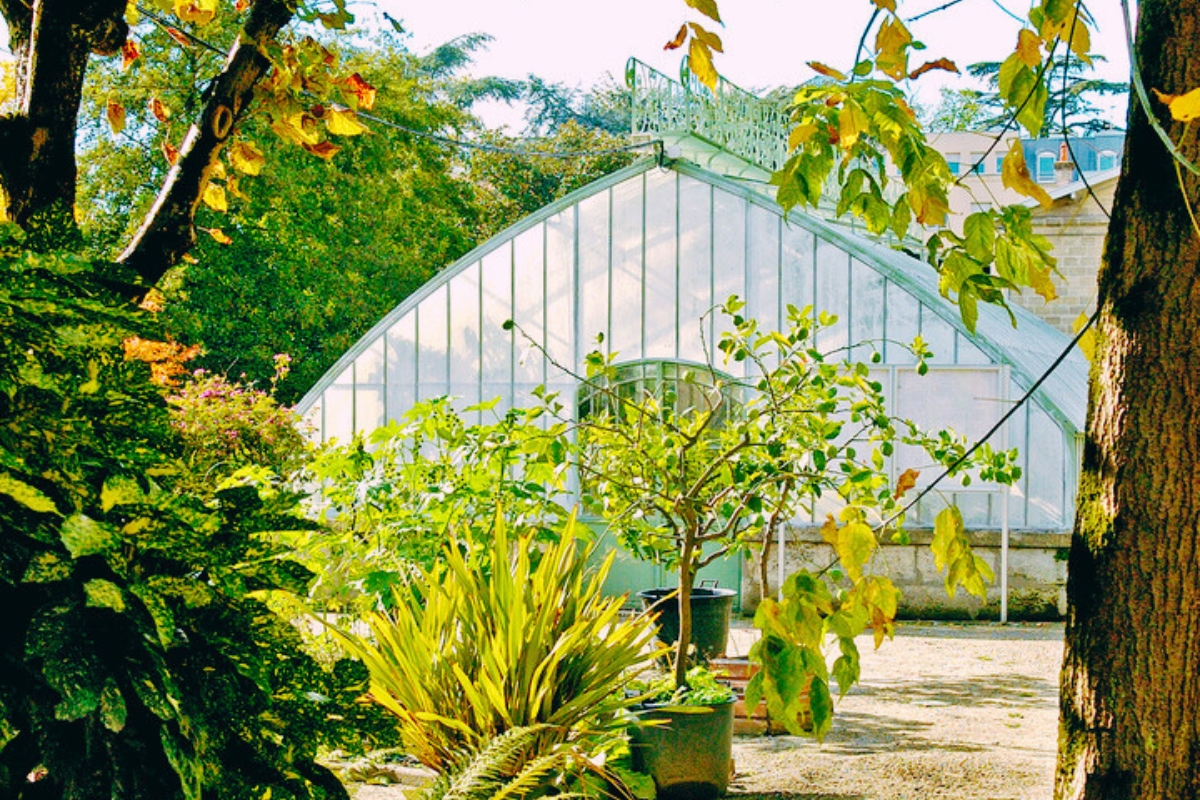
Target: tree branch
column 168, row 230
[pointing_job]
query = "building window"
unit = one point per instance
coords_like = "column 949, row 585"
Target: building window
column 978, row 163
column 1000, row 165
column 1045, row 168
column 677, row 387
column 1108, row 159
column 954, row 161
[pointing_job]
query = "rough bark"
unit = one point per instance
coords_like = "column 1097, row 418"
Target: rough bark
column 168, row 231
column 1130, row 702
column 51, row 41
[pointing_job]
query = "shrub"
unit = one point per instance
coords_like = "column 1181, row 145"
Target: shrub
column 522, row 645
column 137, row 659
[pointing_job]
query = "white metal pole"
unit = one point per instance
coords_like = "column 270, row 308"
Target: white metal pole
column 1004, row 492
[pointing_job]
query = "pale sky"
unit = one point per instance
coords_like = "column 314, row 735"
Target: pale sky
column 767, row 42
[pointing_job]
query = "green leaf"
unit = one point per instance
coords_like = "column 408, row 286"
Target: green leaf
column 112, row 707
column 821, row 704
column 980, row 236
column 104, row 594
column 26, row 495
column 120, row 490
column 84, row 536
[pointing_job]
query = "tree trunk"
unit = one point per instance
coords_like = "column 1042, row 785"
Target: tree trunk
column 1130, row 701
column 687, row 574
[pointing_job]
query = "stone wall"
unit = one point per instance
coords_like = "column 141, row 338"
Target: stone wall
column 1037, row 574
column 1076, row 226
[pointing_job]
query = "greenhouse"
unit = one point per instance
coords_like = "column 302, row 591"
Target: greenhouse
column 642, row 255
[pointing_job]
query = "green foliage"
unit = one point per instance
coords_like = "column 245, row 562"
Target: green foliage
column 226, row 425
column 138, row 658
column 702, row 688
column 392, row 499
column 503, row 639
column 686, row 483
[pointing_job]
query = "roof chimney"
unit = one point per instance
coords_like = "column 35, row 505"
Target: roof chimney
column 1064, row 168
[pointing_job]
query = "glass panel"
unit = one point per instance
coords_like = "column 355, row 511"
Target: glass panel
column 560, row 291
column 402, row 366
column 339, row 413
column 798, row 270
column 528, row 304
column 729, row 259
column 593, row 269
column 496, row 370
column 832, row 294
column 627, row 238
column 695, row 264
column 432, row 337
column 866, row 310
column 661, row 254
column 938, row 335
column 1046, row 469
column 464, row 334
column 762, row 293
column 967, row 352
column 368, row 408
column 368, row 367
column 901, row 315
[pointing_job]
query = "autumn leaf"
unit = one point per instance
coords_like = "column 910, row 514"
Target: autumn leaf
column 298, row 128
column 214, row 197
column 246, row 158
column 1039, row 280
column 826, row 70
column 941, row 63
column 170, row 152
column 886, row 5
column 325, row 150
column 341, row 122
column 710, row 39
column 679, row 39
column 200, row 12
column 1014, row 174
column 1029, row 48
column 829, row 530
column 179, row 36
column 706, row 7
column 906, row 482
column 217, row 170
column 218, row 235
column 1184, row 107
column 363, row 92
column 852, row 122
column 159, row 110
column 129, row 53
column 800, row 134
column 701, row 63
column 115, row 112
column 855, row 544
column 1081, row 42
column 891, row 47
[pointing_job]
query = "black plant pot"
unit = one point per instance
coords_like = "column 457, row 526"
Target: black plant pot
column 711, row 610
column 689, row 754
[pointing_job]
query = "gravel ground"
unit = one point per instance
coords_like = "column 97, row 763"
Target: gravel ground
column 962, row 711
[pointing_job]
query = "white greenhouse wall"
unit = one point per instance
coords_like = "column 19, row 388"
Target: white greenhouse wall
column 641, row 258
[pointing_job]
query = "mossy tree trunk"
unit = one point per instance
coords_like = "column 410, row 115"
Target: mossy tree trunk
column 1130, row 702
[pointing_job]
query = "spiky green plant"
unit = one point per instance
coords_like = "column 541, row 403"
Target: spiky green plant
column 514, row 764
column 500, row 636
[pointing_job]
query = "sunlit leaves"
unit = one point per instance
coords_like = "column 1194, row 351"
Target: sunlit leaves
column 115, row 113
column 892, row 42
column 1024, row 90
column 218, row 235
column 706, row 7
column 944, row 64
column 1184, row 107
column 199, row 12
column 1014, row 174
column 906, row 482
column 159, row 110
column 129, row 53
column 246, row 157
column 700, row 61
column 952, row 555
column 826, row 70
column 26, row 495
column 214, row 197
column 170, row 152
column 679, row 39
column 362, row 92
column 341, row 122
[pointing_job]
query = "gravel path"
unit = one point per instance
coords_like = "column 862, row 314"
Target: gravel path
column 962, row 711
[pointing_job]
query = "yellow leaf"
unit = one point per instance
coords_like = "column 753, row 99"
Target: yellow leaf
column 247, row 158
column 891, row 48
column 706, row 7
column 159, row 110
column 829, row 530
column 1087, row 342
column 800, row 134
column 1184, row 107
column 886, row 5
column 852, row 121
column 1081, row 42
column 217, row 170
column 116, row 115
column 129, row 53
column 1029, row 48
column 855, row 543
column 298, row 128
column 1015, row 175
column 218, row 235
column 200, row 12
column 341, row 122
column 214, row 197
column 325, row 150
column 1039, row 279
column 710, row 39
column 701, row 63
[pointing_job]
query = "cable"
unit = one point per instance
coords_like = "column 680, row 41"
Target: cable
column 995, row 428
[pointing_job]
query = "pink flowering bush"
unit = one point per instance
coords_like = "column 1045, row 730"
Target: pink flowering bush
column 227, row 425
